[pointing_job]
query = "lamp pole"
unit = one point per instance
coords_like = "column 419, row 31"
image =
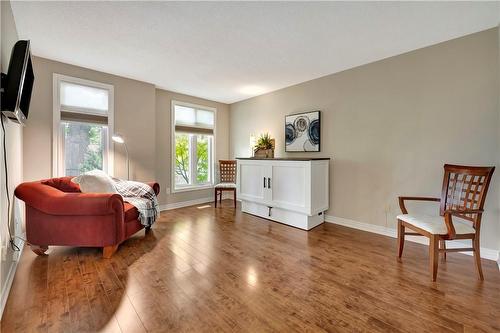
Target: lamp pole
column 128, row 161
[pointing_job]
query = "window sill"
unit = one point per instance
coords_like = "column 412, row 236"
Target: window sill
column 192, row 188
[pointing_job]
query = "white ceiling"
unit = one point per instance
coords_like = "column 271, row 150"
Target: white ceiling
column 229, row 51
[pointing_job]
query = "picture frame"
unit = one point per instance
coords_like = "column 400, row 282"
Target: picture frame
column 303, row 132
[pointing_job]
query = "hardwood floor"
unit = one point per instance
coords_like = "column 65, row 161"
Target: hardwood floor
column 214, row 269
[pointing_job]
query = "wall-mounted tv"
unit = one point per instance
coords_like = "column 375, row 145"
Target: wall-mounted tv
column 17, row 84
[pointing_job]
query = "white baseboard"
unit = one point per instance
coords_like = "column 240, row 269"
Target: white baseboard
column 486, row 253
column 10, row 276
column 188, row 203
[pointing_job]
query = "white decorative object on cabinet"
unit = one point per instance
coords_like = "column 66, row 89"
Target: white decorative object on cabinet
column 290, row 191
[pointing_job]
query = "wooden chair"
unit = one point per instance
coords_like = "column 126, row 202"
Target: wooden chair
column 227, row 180
column 463, row 195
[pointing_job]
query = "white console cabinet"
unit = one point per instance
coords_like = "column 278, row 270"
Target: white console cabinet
column 290, row 191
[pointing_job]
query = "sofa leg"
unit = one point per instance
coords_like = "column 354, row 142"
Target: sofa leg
column 147, row 229
column 108, row 251
column 39, row 249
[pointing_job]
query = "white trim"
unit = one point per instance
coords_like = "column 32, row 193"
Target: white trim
column 194, row 202
column 188, row 203
column 486, row 253
column 189, row 188
column 10, row 277
column 56, row 120
column 212, row 154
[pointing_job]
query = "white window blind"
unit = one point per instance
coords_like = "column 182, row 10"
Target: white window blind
column 194, row 120
column 83, row 98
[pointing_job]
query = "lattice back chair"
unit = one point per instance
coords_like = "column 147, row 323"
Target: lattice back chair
column 227, row 170
column 463, row 195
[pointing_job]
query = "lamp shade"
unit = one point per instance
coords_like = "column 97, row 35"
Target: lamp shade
column 117, row 138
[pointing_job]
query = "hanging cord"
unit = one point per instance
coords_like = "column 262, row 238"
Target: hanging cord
column 12, row 243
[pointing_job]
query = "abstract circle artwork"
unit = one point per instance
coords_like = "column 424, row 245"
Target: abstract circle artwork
column 303, row 132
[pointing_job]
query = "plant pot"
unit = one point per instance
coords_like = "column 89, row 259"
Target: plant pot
column 264, row 153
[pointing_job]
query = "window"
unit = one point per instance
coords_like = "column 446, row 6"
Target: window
column 82, row 124
column 193, row 146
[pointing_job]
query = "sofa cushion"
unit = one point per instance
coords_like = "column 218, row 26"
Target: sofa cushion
column 95, row 181
column 130, row 212
column 63, row 184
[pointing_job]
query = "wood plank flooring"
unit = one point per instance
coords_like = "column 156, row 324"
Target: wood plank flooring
column 218, row 270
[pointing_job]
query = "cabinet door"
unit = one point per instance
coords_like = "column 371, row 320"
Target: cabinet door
column 290, row 185
column 252, row 181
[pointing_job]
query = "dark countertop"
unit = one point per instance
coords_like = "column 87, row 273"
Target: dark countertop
column 285, row 158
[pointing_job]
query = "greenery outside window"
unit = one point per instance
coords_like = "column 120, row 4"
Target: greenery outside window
column 84, row 147
column 193, row 146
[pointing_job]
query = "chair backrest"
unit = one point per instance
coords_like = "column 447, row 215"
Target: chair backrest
column 227, row 171
column 465, row 187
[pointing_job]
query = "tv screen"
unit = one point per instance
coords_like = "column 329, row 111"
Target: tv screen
column 18, row 83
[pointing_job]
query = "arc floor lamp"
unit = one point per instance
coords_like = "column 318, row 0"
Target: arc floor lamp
column 119, row 139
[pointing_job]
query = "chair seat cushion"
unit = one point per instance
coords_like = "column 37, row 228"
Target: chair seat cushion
column 225, row 185
column 435, row 224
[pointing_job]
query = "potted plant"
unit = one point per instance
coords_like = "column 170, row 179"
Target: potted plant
column 264, row 146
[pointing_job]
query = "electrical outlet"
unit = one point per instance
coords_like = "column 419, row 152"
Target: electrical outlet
column 168, row 190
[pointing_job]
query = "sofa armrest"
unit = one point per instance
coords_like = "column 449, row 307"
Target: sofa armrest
column 155, row 186
column 55, row 202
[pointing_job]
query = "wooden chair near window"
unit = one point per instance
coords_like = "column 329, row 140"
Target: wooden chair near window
column 227, row 180
column 461, row 207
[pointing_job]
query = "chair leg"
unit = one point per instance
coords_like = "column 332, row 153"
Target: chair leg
column 220, row 197
column 108, row 251
column 442, row 245
column 215, row 196
column 234, row 198
column 477, row 257
column 433, row 256
column 401, row 238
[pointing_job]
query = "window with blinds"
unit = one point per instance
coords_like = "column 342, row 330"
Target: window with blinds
column 193, row 146
column 83, row 119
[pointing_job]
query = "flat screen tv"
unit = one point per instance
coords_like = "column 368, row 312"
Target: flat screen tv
column 17, row 84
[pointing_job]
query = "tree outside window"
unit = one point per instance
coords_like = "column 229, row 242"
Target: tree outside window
column 192, row 148
column 84, row 146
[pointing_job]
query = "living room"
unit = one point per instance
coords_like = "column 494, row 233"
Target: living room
column 250, row 166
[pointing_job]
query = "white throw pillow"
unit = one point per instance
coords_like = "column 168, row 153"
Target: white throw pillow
column 95, row 181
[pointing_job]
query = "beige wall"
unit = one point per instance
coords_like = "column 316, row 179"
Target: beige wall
column 163, row 141
column 134, row 118
column 14, row 143
column 390, row 126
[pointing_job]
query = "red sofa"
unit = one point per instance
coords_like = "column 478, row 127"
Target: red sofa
column 57, row 213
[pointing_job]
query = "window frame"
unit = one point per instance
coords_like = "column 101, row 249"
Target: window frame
column 212, row 153
column 57, row 146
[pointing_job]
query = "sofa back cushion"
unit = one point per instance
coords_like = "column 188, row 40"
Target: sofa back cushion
column 95, row 181
column 63, row 184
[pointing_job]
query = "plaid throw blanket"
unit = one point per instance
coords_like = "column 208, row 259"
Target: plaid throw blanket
column 142, row 196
